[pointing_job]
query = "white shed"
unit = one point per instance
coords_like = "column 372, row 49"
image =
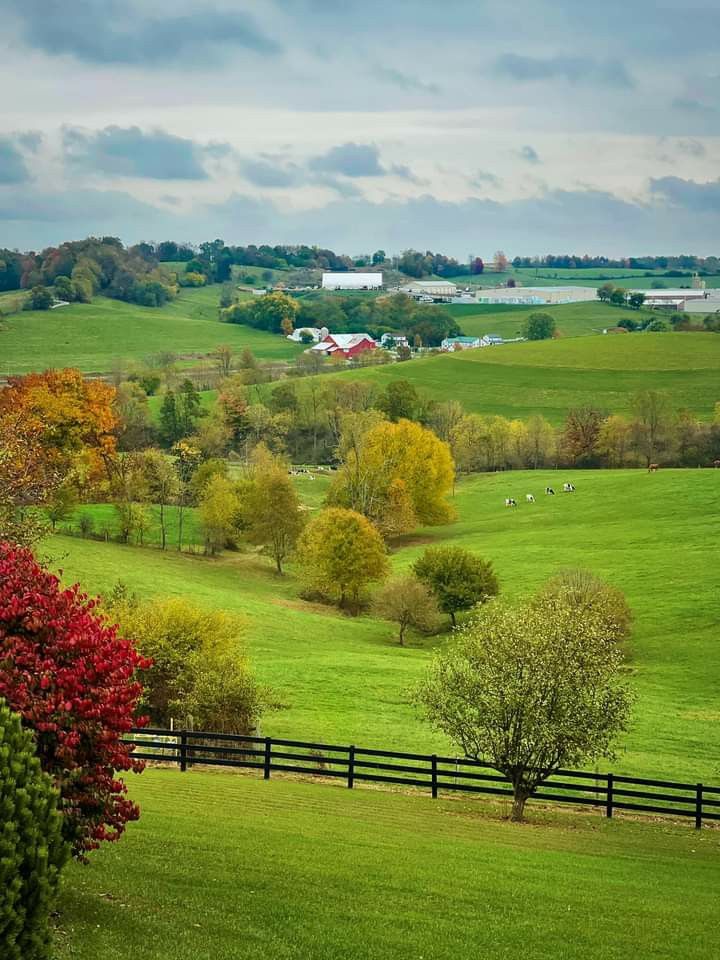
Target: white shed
column 352, row 281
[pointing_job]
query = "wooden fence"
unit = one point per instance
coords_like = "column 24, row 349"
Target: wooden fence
column 352, row 764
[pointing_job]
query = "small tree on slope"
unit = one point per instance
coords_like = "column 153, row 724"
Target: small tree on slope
column 529, row 690
column 32, row 850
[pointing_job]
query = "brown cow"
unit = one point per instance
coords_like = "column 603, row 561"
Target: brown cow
column 653, row 467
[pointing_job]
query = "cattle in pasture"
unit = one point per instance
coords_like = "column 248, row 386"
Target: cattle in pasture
column 568, row 488
column 716, row 464
column 529, row 498
column 510, row 502
column 653, row 467
column 549, row 491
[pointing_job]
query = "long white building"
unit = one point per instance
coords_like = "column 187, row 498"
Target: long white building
column 352, row 281
column 536, row 296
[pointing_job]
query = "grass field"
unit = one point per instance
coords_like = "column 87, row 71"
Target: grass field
column 223, row 866
column 93, row 337
column 572, row 319
column 550, row 377
column 345, row 680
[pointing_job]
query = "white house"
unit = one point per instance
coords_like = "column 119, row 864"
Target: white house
column 451, row 344
column 391, row 340
column 352, row 281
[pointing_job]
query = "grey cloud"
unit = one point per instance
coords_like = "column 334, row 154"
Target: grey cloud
column 270, row 173
column 690, row 105
column 405, row 81
column 574, row 70
column 13, row 168
column 693, row 148
column 483, row 178
column 350, row 160
column 99, row 209
column 108, row 32
column 698, row 197
column 132, row 152
column 30, row 140
column 529, row 153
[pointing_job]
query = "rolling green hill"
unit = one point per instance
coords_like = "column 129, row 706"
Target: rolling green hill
column 228, row 866
column 572, row 319
column 92, row 337
column 550, row 377
column 344, row 679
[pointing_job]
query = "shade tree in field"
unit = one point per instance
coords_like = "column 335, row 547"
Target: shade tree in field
column 408, row 603
column 458, row 578
column 529, row 690
column 583, row 591
column 270, row 510
column 539, row 326
column 397, row 474
column 72, row 678
column 340, row 554
column 580, row 435
column 218, row 513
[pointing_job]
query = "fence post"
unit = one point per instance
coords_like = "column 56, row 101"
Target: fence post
column 183, row 751
column 698, row 806
column 351, row 767
column 433, row 761
column 609, row 804
column 266, row 765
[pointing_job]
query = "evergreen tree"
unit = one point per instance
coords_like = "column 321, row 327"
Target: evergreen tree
column 169, row 421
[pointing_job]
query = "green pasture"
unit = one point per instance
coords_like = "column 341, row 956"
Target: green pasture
column 94, row 337
column 552, row 376
column 223, row 866
column 344, row 679
column 572, row 319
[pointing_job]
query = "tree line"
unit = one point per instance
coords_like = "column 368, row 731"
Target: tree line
column 682, row 265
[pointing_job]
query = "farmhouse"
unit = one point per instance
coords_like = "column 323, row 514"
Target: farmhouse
column 451, row 344
column 393, row 340
column 301, row 334
column 344, row 344
column 352, row 281
column 433, row 289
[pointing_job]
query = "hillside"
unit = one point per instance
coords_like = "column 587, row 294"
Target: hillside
column 344, row 679
column 550, row 377
column 92, row 337
column 572, row 319
column 228, row 866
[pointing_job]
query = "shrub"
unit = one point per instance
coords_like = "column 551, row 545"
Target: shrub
column 582, row 591
column 32, row 850
column 71, row 678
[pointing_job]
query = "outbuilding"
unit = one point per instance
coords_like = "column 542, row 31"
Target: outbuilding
column 352, row 281
column 432, row 289
column 345, row 344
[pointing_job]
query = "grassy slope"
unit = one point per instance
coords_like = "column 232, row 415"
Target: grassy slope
column 344, row 679
column 93, row 336
column 226, row 866
column 573, row 319
column 550, row 377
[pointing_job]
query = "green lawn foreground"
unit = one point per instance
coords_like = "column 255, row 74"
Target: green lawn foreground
column 224, row 866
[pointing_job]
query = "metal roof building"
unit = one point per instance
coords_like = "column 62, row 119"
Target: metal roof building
column 352, row 281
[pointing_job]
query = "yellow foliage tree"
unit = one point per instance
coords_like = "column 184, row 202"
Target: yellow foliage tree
column 341, row 553
column 398, row 475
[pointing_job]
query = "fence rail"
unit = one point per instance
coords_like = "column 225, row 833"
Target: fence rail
column 696, row 801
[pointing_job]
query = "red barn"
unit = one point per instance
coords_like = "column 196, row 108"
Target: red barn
column 347, row 344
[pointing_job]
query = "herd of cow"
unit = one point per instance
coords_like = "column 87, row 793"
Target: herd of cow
column 529, row 498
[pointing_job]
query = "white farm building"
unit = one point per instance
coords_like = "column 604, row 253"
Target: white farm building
column 535, row 296
column 435, row 289
column 352, row 281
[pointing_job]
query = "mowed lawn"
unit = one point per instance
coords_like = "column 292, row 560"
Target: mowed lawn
column 93, row 337
column 224, row 866
column 345, row 680
column 552, row 376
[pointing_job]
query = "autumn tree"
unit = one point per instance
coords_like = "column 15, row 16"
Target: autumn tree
column 529, row 690
column 580, row 434
column 218, row 513
column 501, row 261
column 653, row 427
column 271, row 512
column 458, row 578
column 408, row 603
column 341, row 553
column 71, row 677
column 163, row 486
column 197, row 669
column 397, row 474
column 222, row 357
column 614, row 439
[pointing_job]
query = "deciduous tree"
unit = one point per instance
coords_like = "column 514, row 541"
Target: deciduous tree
column 271, row 512
column 408, row 603
column 458, row 578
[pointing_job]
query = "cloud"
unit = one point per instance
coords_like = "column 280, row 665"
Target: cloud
column 405, row 81
column 270, row 173
column 573, row 70
column 98, row 209
column 132, row 152
column 483, row 178
column 689, row 105
column 693, row 148
column 698, row 197
column 529, row 154
column 13, row 168
column 357, row 160
column 111, row 32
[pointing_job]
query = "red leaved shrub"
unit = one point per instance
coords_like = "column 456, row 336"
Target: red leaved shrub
column 71, row 678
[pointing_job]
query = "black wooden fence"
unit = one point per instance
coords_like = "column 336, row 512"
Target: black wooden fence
column 353, row 764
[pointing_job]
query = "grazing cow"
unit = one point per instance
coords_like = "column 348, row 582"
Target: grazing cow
column 716, row 464
column 509, row 502
column 568, row 488
column 653, row 467
column 549, row 491
column 529, row 498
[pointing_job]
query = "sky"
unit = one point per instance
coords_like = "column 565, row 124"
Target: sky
column 462, row 127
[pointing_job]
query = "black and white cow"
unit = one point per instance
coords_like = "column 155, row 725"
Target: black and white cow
column 568, row 488
column 510, row 502
column 549, row 491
